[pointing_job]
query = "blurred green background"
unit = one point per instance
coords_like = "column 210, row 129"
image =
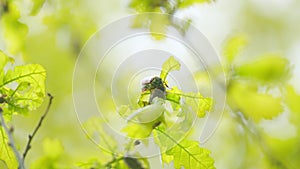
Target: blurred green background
column 52, row 33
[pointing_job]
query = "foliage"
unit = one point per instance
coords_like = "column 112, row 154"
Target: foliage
column 14, row 31
column 259, row 89
column 153, row 118
column 187, row 153
column 234, row 46
column 6, row 153
column 53, row 152
column 22, row 88
column 158, row 23
column 170, row 65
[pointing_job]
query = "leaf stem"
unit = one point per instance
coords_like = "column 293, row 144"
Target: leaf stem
column 38, row 126
column 11, row 142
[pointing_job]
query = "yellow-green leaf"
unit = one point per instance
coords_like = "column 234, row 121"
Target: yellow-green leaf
column 190, row 155
column 269, row 68
column 199, row 104
column 244, row 97
column 187, row 3
column 14, row 31
column 3, row 61
column 138, row 131
column 169, row 65
column 174, row 95
column 158, row 25
column 6, row 154
column 37, row 5
column 234, row 46
column 24, row 87
column 292, row 99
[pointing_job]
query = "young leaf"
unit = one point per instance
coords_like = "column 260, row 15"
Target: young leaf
column 14, row 31
column 244, row 97
column 199, row 104
column 174, row 95
column 187, row 3
column 292, row 99
column 6, row 153
column 24, row 87
column 37, row 5
column 187, row 154
column 141, row 6
column 138, row 131
column 169, row 65
column 234, row 46
column 158, row 25
column 270, row 68
column 190, row 155
column 144, row 99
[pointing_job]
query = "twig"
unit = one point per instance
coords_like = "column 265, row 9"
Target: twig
column 38, row 126
column 11, row 142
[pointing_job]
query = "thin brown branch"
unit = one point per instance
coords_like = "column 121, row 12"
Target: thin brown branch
column 11, row 141
column 38, row 126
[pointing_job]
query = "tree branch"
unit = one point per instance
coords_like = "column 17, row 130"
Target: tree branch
column 38, row 126
column 11, row 141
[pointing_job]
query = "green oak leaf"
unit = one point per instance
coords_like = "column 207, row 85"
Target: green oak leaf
column 199, row 104
column 269, row 68
column 158, row 25
column 173, row 95
column 292, row 99
column 14, row 31
column 190, row 155
column 234, row 46
column 37, row 5
column 245, row 98
column 169, row 65
column 139, row 131
column 24, row 87
column 6, row 153
column 186, row 153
